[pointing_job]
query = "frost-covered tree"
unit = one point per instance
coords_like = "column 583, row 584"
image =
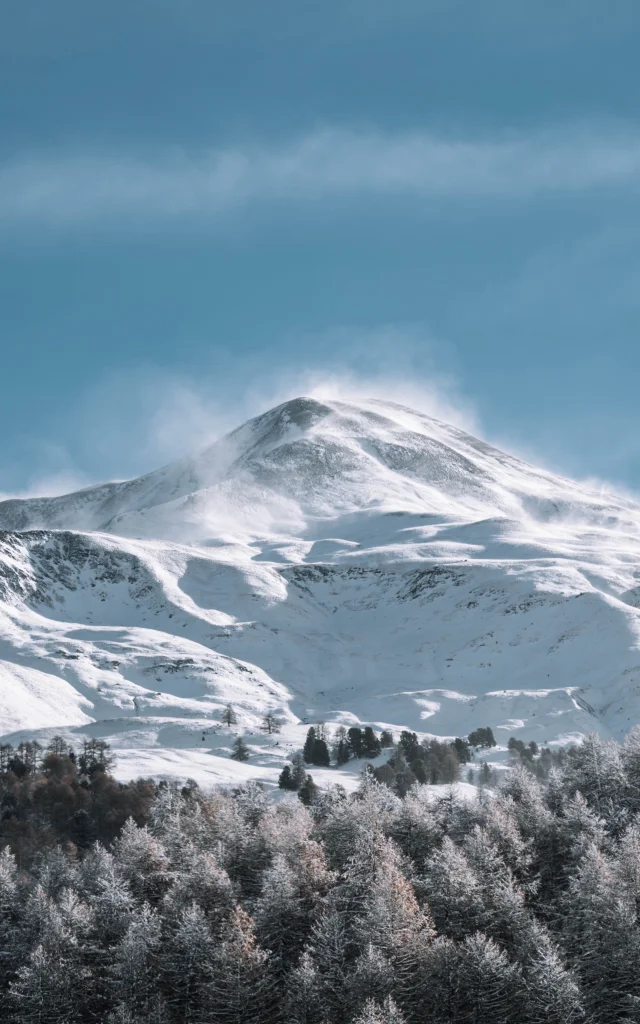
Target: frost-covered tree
column 42, row 993
column 188, row 960
column 242, row 988
column 452, row 891
column 379, row 1013
column 282, row 920
column 601, row 938
column 371, row 977
column 329, row 950
column 473, row 983
column 11, row 915
column 142, row 861
column 135, row 964
column 302, row 1002
column 596, row 769
column 551, row 992
column 206, row 884
column 415, row 829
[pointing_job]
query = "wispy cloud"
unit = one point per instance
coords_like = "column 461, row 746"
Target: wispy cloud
column 75, row 190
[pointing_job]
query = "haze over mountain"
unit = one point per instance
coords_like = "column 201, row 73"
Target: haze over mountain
column 356, row 563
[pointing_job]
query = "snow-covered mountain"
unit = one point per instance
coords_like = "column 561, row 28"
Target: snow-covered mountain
column 355, row 563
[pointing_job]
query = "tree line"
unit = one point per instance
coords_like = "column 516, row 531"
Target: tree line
column 411, row 761
column 520, row 907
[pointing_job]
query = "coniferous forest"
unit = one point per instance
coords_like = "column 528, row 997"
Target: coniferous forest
column 159, row 903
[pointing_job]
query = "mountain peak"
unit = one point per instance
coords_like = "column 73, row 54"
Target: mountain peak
column 307, row 459
column 336, row 560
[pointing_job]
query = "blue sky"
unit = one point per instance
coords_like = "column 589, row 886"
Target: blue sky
column 205, row 208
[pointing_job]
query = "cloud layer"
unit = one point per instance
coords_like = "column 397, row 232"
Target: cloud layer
column 76, row 190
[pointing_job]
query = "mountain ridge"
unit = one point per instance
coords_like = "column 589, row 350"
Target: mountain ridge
column 354, row 562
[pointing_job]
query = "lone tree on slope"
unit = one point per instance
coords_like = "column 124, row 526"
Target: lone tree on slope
column 270, row 724
column 240, row 750
column 229, row 716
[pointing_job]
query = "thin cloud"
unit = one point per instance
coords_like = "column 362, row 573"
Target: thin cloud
column 76, row 190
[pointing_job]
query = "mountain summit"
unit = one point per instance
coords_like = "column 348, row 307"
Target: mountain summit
column 312, row 460
column 351, row 562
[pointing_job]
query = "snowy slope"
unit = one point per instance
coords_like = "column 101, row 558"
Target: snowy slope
column 353, row 563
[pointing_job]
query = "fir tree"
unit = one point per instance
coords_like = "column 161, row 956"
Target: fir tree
column 188, row 965
column 320, row 753
column 298, row 772
column 309, row 745
column 489, row 988
column 341, row 750
column 241, row 990
column 228, row 715
column 240, row 751
column 303, row 1003
column 355, row 740
column 308, row 791
column 379, row 1013
column 370, row 743
column 281, row 918
column 286, row 780
column 270, row 724
column 135, row 963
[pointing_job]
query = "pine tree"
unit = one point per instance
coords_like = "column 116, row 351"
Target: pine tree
column 298, row 771
column 281, row 920
column 135, row 963
column 341, row 750
column 96, row 757
column 206, row 884
column 481, row 738
column 488, row 987
column 41, row 993
column 630, row 757
column 285, row 779
column 320, row 753
column 371, row 977
column 379, row 1013
column 11, row 912
column 625, row 866
column 355, row 740
column 240, row 750
column 551, row 994
column 601, row 938
column 452, row 892
column 386, row 738
column 228, row 715
column 6, row 755
column 416, row 829
column 328, row 948
column 302, row 996
column 188, row 965
column 270, row 724
column 370, row 743
column 309, row 745
column 241, row 990
column 596, row 769
column 142, row 861
column 308, row 791
column 502, row 914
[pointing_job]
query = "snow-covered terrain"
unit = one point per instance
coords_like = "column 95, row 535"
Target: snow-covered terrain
column 352, row 563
